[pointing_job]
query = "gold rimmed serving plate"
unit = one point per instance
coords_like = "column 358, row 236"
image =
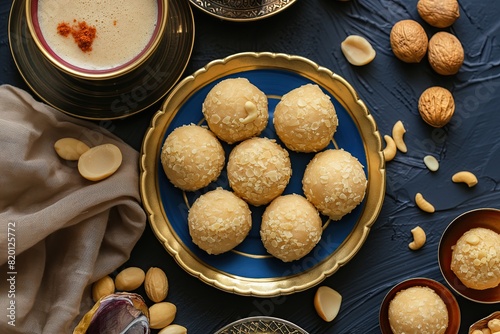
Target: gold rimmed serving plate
column 249, row 270
column 242, row 10
column 112, row 98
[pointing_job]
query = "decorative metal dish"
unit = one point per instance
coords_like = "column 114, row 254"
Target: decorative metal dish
column 249, row 269
column 261, row 325
column 242, row 10
column 105, row 99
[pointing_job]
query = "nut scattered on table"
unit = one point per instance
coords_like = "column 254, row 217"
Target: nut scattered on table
column 161, row 314
column 173, row 329
column 100, row 162
column 409, row 41
column 103, row 287
column 419, row 238
column 327, row 303
column 156, row 284
column 465, row 177
column 423, row 204
column 70, row 148
column 439, row 13
column 357, row 50
column 390, row 149
column 436, row 106
column 129, row 279
column 431, row 163
column 398, row 131
column 446, row 54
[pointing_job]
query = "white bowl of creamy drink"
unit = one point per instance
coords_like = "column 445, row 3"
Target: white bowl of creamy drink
column 97, row 40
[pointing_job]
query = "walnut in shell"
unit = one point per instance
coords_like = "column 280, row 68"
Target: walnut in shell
column 439, row 13
column 436, row 106
column 409, row 41
column 446, row 54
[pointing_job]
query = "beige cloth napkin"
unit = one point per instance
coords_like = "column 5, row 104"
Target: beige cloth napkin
column 64, row 231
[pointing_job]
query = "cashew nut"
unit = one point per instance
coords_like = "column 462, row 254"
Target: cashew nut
column 251, row 109
column 465, row 177
column 390, row 148
column 423, row 204
column 398, row 130
column 419, row 238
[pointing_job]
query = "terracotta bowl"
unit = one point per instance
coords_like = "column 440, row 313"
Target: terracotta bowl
column 484, row 217
column 80, row 69
column 440, row 289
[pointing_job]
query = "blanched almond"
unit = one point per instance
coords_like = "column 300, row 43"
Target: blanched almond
column 129, row 279
column 357, row 50
column 70, row 148
column 100, row 162
column 431, row 163
column 103, row 287
column 327, row 303
column 173, row 329
column 161, row 314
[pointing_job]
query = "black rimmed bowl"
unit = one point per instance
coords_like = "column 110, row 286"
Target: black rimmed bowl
column 484, row 217
column 443, row 292
column 84, row 24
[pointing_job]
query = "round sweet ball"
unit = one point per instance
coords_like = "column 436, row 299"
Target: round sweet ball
column 218, row 221
column 334, row 182
column 192, row 157
column 475, row 258
column 305, row 119
column 235, row 110
column 258, row 170
column 290, row 228
column 418, row 309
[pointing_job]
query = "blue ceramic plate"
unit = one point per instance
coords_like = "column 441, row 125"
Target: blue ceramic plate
column 249, row 269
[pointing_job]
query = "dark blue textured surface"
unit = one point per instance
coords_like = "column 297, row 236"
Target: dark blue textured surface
column 314, row 29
